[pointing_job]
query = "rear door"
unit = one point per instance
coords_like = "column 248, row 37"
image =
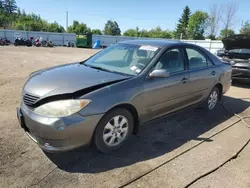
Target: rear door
column 202, row 71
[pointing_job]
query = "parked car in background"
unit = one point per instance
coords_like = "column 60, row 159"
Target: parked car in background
column 106, row 97
column 237, row 53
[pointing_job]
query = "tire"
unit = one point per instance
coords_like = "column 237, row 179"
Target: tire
column 212, row 99
column 116, row 136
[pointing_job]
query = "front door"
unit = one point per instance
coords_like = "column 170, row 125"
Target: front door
column 164, row 95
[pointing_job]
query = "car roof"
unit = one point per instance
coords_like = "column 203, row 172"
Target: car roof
column 157, row 43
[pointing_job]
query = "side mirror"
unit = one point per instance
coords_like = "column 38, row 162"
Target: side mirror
column 161, row 73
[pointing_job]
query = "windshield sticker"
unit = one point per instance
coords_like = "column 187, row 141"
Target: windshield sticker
column 133, row 68
column 138, row 70
column 149, row 48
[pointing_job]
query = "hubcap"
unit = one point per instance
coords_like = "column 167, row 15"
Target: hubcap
column 212, row 101
column 115, row 131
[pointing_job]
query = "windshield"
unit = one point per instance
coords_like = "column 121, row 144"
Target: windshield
column 241, row 51
column 123, row 58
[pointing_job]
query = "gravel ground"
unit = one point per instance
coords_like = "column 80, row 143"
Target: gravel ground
column 156, row 151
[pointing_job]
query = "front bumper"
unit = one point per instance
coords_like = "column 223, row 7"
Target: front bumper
column 240, row 73
column 58, row 134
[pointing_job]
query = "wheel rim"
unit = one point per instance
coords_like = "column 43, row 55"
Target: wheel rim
column 212, row 101
column 115, row 131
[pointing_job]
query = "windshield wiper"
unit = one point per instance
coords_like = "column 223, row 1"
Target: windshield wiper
column 98, row 68
column 106, row 70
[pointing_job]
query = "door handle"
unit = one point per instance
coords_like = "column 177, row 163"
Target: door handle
column 213, row 73
column 184, row 80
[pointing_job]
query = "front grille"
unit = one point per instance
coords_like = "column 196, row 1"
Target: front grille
column 29, row 100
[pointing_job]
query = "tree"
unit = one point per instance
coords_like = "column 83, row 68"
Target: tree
column 181, row 30
column 153, row 33
column 78, row 28
column 23, row 12
column 12, row 18
column 214, row 19
column 112, row 28
column 130, row 33
column 18, row 11
column 226, row 33
column 229, row 16
column 159, row 33
column 197, row 25
column 96, row 31
column 55, row 27
column 245, row 28
column 1, row 5
column 10, row 6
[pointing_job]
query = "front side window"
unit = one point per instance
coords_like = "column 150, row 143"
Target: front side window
column 172, row 61
column 196, row 59
column 123, row 58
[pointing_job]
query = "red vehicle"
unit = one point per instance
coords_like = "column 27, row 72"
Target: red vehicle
column 37, row 42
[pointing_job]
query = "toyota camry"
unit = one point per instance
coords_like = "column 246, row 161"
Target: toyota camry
column 103, row 100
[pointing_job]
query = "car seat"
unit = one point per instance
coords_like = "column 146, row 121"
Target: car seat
column 195, row 62
column 171, row 61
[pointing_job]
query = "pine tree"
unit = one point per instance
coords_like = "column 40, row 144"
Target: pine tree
column 183, row 24
column 1, row 4
column 10, row 6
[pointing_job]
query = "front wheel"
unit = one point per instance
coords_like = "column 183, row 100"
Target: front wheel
column 113, row 130
column 213, row 99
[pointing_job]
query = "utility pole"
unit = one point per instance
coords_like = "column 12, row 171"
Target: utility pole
column 67, row 21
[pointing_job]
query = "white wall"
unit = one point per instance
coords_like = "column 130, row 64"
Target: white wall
column 56, row 38
column 63, row 38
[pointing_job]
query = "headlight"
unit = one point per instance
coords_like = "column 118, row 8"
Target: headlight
column 61, row 108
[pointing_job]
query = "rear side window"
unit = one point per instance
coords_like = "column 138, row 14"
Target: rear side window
column 196, row 59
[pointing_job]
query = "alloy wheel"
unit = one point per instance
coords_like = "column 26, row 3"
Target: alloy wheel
column 115, row 131
column 212, row 100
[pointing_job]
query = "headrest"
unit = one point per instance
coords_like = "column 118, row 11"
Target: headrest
column 195, row 60
column 171, row 56
column 142, row 53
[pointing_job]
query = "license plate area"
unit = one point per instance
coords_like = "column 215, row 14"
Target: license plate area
column 20, row 118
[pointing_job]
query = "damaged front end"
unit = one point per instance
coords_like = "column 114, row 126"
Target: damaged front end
column 33, row 101
column 237, row 54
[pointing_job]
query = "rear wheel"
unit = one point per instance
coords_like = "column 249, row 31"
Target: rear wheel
column 113, row 130
column 213, row 99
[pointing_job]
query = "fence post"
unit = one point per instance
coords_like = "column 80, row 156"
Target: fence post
column 63, row 40
column 210, row 45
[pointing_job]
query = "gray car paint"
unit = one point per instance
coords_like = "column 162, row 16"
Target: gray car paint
column 149, row 97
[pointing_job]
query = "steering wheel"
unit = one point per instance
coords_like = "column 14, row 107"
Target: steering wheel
column 141, row 65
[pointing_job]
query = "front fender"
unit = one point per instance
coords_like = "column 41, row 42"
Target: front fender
column 104, row 99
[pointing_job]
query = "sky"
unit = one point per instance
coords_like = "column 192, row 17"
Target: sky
column 146, row 14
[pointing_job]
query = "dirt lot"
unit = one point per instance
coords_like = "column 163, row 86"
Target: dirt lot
column 171, row 152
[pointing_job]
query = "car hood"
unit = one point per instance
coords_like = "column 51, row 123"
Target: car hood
column 237, row 42
column 66, row 79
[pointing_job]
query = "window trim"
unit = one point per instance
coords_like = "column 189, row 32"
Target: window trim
column 202, row 53
column 182, row 50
